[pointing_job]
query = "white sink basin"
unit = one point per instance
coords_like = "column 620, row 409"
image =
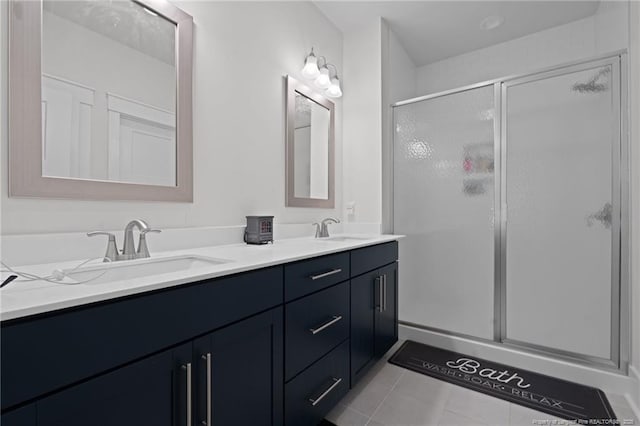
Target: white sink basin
column 130, row 269
column 345, row 239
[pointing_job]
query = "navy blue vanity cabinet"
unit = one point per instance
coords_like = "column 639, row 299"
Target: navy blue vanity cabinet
column 315, row 325
column 59, row 349
column 374, row 313
column 386, row 319
column 152, row 391
column 317, row 328
column 307, row 276
column 25, row 416
column 315, row 391
column 363, row 305
column 275, row 346
column 238, row 373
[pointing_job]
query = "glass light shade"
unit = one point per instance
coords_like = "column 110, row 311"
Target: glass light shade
column 323, row 81
column 334, row 90
column 310, row 69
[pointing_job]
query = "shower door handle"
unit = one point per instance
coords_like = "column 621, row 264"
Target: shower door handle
column 603, row 216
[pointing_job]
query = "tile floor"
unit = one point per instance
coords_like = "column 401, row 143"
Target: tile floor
column 393, row 396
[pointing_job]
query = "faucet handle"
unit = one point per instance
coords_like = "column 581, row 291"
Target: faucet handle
column 112, row 247
column 94, row 233
column 330, row 220
column 143, row 249
column 317, row 225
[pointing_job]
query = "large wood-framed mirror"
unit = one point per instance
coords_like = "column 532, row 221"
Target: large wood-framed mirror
column 100, row 100
column 310, row 147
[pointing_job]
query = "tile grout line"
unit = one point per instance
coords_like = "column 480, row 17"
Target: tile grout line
column 385, row 398
column 348, row 407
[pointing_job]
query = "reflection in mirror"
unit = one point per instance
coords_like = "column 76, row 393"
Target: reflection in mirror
column 108, row 92
column 310, row 168
column 311, row 149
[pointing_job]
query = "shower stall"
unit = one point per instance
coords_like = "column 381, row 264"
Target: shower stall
column 513, row 197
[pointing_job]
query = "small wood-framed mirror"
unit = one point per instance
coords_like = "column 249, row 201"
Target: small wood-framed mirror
column 100, row 100
column 310, row 146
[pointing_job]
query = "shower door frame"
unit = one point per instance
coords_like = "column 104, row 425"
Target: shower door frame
column 620, row 263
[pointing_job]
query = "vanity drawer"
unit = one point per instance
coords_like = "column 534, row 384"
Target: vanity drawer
column 311, row 395
column 314, row 325
column 369, row 258
column 308, row 276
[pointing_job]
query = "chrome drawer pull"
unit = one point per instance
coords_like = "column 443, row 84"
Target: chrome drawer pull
column 326, row 274
column 380, row 293
column 384, row 292
column 207, row 358
column 335, row 319
column 316, row 401
column 189, row 402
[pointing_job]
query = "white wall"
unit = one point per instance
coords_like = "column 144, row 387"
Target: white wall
column 362, row 129
column 242, row 50
column 401, row 80
column 604, row 32
column 398, row 83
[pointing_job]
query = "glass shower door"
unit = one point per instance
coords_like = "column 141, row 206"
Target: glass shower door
column 560, row 184
column 443, row 203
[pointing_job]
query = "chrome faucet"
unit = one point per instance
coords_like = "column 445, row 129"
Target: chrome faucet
column 129, row 250
column 128, row 247
column 322, row 231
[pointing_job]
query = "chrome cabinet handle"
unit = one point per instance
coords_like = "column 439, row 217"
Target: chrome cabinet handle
column 187, row 367
column 384, row 292
column 207, row 357
column 326, row 274
column 316, row 401
column 329, row 323
column 380, row 295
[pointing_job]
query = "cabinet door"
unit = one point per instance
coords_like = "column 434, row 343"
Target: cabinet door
column 25, row 416
column 147, row 392
column 364, row 300
column 387, row 313
column 240, row 373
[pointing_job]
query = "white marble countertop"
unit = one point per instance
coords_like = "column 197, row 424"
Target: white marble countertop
column 23, row 298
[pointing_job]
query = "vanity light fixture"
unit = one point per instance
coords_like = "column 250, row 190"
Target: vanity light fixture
column 323, row 81
column 310, row 69
column 334, row 90
column 321, row 76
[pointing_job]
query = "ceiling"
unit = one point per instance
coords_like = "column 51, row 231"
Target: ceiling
column 434, row 30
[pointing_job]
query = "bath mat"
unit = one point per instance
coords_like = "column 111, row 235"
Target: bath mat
column 560, row 398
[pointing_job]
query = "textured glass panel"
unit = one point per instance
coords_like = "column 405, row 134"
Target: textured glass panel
column 443, row 202
column 559, row 180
